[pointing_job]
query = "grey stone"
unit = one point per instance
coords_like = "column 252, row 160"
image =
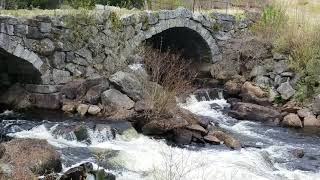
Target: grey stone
column 278, row 80
column 258, row 71
column 45, row 27
column 161, row 126
column 287, row 74
column 44, row 47
column 278, row 56
column 280, row 67
column 47, row 101
column 262, row 81
column 114, row 98
column 42, row 89
column 286, row 90
column 94, row 93
column 60, row 76
column 58, row 60
column 129, row 84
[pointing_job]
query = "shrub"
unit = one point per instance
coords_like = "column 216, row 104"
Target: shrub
column 175, row 75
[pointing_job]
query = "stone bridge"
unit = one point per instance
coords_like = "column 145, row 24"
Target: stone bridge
column 55, row 50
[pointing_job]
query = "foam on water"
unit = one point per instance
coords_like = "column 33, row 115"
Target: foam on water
column 146, row 158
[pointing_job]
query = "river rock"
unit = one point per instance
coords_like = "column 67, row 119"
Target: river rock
column 212, row 139
column 304, row 112
column 94, row 93
column 316, row 105
column 248, row 111
column 143, row 106
column 286, row 90
column 17, row 97
column 114, row 98
column 30, row 158
column 83, row 109
column 198, row 128
column 69, row 107
column 258, row 71
column 161, row 126
column 249, row 88
column 78, row 173
column 70, row 90
column 311, row 121
column 129, row 84
column 232, row 87
column 183, row 136
column 47, row 101
column 291, row 107
column 292, row 120
column 298, row 153
column 227, row 139
column 94, row 110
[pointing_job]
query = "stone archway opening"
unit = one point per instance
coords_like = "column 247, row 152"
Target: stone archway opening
column 182, row 40
column 16, row 70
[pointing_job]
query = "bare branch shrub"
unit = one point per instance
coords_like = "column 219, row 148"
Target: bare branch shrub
column 172, row 72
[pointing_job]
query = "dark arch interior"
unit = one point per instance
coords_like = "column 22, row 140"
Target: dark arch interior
column 182, row 40
column 14, row 69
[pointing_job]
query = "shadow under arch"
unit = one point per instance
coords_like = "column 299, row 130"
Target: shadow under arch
column 17, row 70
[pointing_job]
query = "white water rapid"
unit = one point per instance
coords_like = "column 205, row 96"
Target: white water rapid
column 140, row 157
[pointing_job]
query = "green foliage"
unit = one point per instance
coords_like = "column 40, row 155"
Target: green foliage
column 86, row 4
column 23, row 4
column 279, row 100
column 115, row 20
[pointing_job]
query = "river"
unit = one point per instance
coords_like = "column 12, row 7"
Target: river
column 131, row 156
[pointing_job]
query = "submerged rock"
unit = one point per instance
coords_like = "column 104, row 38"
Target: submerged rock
column 298, row 153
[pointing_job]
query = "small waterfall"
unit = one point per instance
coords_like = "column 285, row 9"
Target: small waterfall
column 209, row 94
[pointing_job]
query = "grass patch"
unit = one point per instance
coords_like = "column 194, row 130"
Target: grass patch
column 295, row 35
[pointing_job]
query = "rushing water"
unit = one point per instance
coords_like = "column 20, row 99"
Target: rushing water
column 133, row 156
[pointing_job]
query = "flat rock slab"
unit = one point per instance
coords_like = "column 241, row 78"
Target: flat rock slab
column 42, row 89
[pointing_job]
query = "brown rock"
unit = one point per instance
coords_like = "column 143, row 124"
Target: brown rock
column 47, row 101
column 227, row 139
column 69, row 108
column 291, row 107
column 232, row 87
column 292, row 120
column 163, row 125
column 248, row 111
column 304, row 112
column 198, row 128
column 31, row 158
column 94, row 110
column 249, row 88
column 182, row 136
column 311, row 121
column 212, row 139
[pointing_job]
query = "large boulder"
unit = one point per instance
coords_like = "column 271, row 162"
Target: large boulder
column 118, row 105
column 161, row 126
column 248, row 111
column 232, row 87
column 292, row 120
column 30, row 158
column 225, row 70
column 258, row 71
column 129, row 84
